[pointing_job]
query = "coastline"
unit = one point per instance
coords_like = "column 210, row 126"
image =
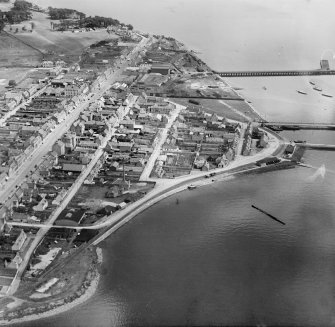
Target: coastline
column 165, row 189
column 91, row 284
column 240, row 95
column 87, row 293
column 222, row 174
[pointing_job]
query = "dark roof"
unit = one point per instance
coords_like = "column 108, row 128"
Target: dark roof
column 71, row 216
column 161, row 65
column 267, row 160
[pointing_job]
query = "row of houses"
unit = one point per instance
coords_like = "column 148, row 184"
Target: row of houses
column 197, row 140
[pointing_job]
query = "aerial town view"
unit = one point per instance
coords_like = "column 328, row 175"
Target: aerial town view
column 111, row 136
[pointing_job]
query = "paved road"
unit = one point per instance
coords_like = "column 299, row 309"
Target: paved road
column 36, row 157
column 161, row 138
column 113, row 75
column 166, row 187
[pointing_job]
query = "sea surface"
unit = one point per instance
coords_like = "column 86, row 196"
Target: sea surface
column 210, row 258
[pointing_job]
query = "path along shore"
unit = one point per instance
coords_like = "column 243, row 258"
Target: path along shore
column 88, row 292
column 166, row 188
column 163, row 189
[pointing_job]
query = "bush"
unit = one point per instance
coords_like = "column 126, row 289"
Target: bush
column 12, row 82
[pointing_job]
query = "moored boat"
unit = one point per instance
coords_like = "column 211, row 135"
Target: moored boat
column 317, row 88
column 327, row 95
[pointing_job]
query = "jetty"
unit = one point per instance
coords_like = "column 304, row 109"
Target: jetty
column 269, row 215
column 265, row 73
column 297, row 126
column 311, row 146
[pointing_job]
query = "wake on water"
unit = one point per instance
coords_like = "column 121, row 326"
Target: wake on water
column 320, row 172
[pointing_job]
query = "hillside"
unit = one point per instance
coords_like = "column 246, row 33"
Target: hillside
column 15, row 53
column 46, row 40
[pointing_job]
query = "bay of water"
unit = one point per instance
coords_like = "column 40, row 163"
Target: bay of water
column 212, row 259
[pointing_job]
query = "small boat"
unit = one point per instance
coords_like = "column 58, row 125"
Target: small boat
column 327, row 95
column 264, row 88
column 191, row 187
column 301, row 92
column 317, row 88
column 312, row 83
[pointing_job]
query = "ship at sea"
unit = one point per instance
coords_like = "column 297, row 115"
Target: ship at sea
column 327, row 95
column 301, row 92
column 311, row 82
column 316, row 88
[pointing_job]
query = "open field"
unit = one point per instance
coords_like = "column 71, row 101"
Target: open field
column 46, row 40
column 199, row 85
column 6, row 74
column 230, row 111
column 5, row 6
column 71, row 277
column 16, row 60
column 15, row 53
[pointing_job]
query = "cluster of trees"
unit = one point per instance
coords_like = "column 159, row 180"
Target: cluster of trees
column 20, row 12
column 64, row 13
column 22, row 5
column 104, row 43
column 98, row 22
column 99, row 44
column 83, row 21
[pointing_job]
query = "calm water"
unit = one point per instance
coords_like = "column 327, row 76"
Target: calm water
column 212, row 259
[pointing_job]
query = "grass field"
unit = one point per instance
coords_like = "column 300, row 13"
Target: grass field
column 19, row 52
column 6, row 74
column 46, row 40
column 15, row 53
column 5, row 6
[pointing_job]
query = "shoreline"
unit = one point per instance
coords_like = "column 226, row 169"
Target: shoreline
column 89, row 287
column 256, row 112
column 164, row 191
column 87, row 294
column 222, row 175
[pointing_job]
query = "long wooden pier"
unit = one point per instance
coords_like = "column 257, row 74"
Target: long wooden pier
column 297, row 126
column 321, row 147
column 276, row 73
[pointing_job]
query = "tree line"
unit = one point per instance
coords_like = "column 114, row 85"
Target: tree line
column 64, row 13
column 91, row 22
column 20, row 12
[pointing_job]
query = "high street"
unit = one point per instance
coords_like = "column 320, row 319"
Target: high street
column 111, row 76
column 164, row 188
